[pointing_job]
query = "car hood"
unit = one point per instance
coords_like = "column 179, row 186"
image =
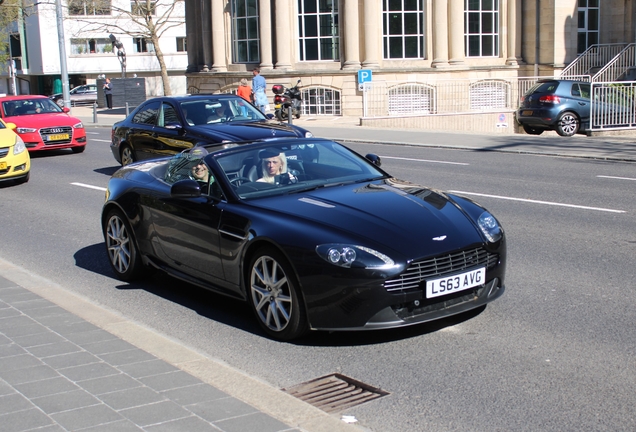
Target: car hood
column 43, row 120
column 240, row 131
column 391, row 212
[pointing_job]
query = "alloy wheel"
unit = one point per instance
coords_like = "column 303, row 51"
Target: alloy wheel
column 271, row 296
column 118, row 245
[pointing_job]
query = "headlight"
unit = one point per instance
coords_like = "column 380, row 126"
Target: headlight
column 23, row 130
column 343, row 255
column 19, row 146
column 490, row 227
column 309, row 135
column 78, row 126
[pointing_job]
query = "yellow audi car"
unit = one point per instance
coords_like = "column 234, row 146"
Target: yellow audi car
column 15, row 163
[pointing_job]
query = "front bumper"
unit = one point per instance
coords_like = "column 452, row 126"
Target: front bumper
column 15, row 167
column 34, row 142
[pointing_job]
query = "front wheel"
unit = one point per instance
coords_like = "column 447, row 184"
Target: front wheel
column 121, row 248
column 532, row 130
column 567, row 124
column 274, row 297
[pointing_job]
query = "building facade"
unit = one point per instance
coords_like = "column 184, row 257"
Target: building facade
column 89, row 51
column 325, row 43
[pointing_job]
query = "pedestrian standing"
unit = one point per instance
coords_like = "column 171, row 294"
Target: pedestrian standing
column 244, row 91
column 258, row 87
column 108, row 92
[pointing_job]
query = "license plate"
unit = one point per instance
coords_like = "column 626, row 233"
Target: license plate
column 3, row 165
column 57, row 137
column 277, row 106
column 526, row 112
column 455, row 283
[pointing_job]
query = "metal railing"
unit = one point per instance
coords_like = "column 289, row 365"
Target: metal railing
column 620, row 64
column 399, row 99
column 596, row 56
column 613, row 106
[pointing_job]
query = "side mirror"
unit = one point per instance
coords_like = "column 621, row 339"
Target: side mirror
column 11, row 126
column 374, row 159
column 185, row 189
column 66, row 109
column 269, row 116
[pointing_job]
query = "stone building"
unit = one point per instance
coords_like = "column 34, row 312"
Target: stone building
column 325, row 43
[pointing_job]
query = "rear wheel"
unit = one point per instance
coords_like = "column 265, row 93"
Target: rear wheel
column 274, row 297
column 532, row 130
column 281, row 115
column 568, row 124
column 121, row 248
column 127, row 155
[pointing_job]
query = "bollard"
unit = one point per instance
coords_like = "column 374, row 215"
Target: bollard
column 289, row 115
column 126, row 109
column 94, row 112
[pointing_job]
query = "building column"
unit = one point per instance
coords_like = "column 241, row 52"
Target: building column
column 284, row 37
column 265, row 33
column 206, row 35
column 218, row 37
column 456, row 35
column 351, row 35
column 372, row 34
column 440, row 34
column 514, row 41
column 192, row 41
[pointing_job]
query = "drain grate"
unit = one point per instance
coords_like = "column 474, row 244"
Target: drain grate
column 335, row 393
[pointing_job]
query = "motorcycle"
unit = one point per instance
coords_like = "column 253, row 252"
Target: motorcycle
column 285, row 97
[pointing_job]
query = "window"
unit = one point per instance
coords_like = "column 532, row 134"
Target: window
column 486, row 95
column 140, row 7
column 182, row 44
column 481, row 28
column 318, row 28
column 143, row 45
column 403, row 29
column 147, row 115
column 89, row 7
column 319, row 100
column 588, row 18
column 167, row 115
column 91, row 46
column 411, row 99
column 245, row 39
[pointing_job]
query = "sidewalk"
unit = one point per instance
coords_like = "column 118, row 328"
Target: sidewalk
column 348, row 129
column 67, row 364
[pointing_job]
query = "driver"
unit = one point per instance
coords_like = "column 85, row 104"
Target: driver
column 274, row 165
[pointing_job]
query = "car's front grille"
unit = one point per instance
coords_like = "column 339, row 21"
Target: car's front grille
column 440, row 266
column 56, row 135
column 3, row 152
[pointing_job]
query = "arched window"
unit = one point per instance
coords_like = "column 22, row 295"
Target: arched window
column 321, row 101
column 490, row 94
column 412, row 99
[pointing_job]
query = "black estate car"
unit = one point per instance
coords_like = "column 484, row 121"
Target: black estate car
column 167, row 125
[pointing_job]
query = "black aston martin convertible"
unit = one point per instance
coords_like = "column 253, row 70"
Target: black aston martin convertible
column 309, row 233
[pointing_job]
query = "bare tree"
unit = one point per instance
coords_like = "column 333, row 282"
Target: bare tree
column 148, row 20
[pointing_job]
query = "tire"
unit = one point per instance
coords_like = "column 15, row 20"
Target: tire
column 297, row 115
column 568, row 124
column 532, row 130
column 280, row 115
column 121, row 248
column 273, row 295
column 78, row 149
column 127, row 155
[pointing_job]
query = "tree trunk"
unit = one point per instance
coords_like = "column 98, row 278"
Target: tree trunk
column 167, row 91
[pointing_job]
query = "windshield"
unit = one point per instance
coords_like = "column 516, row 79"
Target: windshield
column 270, row 169
column 30, row 107
column 219, row 110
